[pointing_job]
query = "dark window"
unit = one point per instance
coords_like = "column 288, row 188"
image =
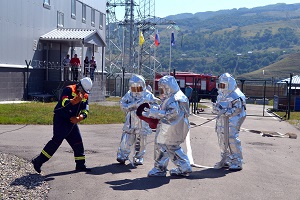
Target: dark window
column 60, row 19
column 101, row 20
column 93, row 17
column 46, row 4
column 73, row 9
column 83, row 13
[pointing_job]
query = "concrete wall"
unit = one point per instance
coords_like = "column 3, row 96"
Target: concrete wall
column 15, row 85
column 12, row 84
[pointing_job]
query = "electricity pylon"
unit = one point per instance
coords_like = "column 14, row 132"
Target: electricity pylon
column 122, row 37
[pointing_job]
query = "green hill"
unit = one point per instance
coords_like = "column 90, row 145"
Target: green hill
column 279, row 70
column 237, row 41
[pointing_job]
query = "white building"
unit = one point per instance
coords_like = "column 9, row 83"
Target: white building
column 42, row 32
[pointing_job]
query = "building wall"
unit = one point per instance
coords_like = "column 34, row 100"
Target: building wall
column 16, row 85
column 12, row 84
column 22, row 22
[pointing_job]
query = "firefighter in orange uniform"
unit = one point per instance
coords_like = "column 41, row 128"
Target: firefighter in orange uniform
column 71, row 108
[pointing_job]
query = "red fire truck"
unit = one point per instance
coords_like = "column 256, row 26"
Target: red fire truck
column 204, row 85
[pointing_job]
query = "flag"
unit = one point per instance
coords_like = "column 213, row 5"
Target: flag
column 172, row 39
column 141, row 39
column 157, row 40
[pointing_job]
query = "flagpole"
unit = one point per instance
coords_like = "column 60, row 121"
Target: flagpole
column 154, row 71
column 156, row 42
column 139, row 60
column 170, row 55
column 141, row 42
column 139, row 51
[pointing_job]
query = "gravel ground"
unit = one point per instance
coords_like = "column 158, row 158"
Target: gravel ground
column 18, row 179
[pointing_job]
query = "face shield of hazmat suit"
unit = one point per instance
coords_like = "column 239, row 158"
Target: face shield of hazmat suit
column 137, row 86
column 227, row 84
column 167, row 86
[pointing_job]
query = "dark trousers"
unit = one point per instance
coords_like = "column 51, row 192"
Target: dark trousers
column 92, row 74
column 66, row 73
column 63, row 129
column 75, row 73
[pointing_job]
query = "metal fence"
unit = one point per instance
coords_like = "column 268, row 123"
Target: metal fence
column 116, row 85
column 57, row 72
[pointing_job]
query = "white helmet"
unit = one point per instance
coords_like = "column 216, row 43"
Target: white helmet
column 137, row 86
column 86, row 84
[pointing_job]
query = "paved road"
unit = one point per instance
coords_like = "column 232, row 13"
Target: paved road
column 271, row 168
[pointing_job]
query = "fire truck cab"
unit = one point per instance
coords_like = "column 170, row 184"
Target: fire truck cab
column 204, row 85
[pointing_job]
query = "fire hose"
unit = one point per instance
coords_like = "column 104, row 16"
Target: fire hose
column 205, row 122
column 224, row 111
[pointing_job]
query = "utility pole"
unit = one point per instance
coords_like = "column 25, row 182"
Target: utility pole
column 290, row 94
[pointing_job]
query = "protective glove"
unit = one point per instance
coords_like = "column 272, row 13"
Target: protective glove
column 75, row 120
column 152, row 113
column 146, row 112
column 223, row 111
column 132, row 106
column 223, row 107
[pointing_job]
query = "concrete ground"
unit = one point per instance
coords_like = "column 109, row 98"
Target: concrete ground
column 270, row 170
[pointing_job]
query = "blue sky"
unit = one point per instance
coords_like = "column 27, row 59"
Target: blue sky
column 164, row 8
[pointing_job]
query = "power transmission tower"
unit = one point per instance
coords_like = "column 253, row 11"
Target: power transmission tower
column 123, row 50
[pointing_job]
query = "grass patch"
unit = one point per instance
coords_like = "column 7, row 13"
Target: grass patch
column 114, row 99
column 105, row 115
column 294, row 118
column 201, row 106
column 271, row 102
column 293, row 115
column 39, row 113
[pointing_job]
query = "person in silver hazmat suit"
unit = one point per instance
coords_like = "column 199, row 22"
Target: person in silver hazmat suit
column 231, row 109
column 172, row 129
column 135, row 130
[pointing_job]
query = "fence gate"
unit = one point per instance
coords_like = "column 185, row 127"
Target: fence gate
column 259, row 92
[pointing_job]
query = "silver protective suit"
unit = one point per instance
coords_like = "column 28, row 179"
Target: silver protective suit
column 231, row 108
column 135, row 130
column 172, row 129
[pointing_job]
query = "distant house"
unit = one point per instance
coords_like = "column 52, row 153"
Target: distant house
column 295, row 87
column 35, row 37
column 281, row 102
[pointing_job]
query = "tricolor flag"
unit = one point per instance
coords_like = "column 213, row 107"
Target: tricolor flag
column 157, row 40
column 141, row 39
column 172, row 39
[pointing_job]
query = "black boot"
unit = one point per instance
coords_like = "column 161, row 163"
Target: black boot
column 37, row 164
column 82, row 168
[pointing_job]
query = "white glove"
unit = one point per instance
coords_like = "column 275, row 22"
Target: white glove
column 146, row 112
column 132, row 106
column 221, row 107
